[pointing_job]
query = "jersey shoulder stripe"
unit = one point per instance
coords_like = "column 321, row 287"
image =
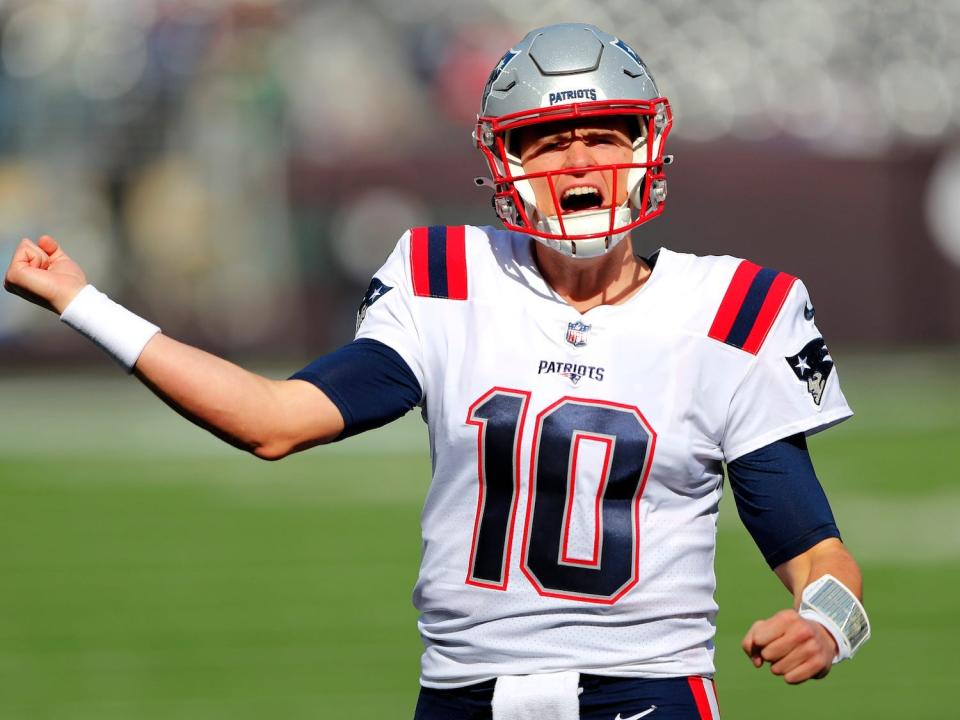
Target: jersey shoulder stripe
column 750, row 306
column 438, row 262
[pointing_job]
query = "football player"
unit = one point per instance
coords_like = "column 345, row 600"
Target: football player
column 581, row 402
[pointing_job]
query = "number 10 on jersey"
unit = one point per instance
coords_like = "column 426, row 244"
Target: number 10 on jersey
column 562, row 430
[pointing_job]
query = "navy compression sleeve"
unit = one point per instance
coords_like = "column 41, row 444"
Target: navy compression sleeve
column 368, row 382
column 780, row 500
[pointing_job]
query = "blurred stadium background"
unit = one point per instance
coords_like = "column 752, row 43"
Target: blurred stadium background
column 236, row 170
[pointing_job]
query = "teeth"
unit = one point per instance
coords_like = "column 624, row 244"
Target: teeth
column 580, row 190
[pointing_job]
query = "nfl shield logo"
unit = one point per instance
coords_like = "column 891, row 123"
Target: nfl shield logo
column 577, row 333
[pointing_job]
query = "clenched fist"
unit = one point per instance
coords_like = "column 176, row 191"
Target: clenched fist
column 42, row 273
column 796, row 648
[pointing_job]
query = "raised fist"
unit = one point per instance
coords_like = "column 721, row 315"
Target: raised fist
column 796, row 648
column 42, row 273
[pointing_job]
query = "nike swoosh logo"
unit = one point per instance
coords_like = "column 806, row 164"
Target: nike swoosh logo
column 638, row 715
column 808, row 313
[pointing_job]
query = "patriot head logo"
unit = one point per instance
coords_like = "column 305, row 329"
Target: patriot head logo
column 495, row 73
column 813, row 366
column 374, row 292
column 628, row 50
column 577, row 333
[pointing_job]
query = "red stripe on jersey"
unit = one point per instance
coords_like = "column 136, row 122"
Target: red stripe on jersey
column 733, row 300
column 420, row 262
column 700, row 697
column 456, row 263
column 776, row 296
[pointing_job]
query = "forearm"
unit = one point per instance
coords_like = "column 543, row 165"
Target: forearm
column 268, row 418
column 827, row 557
column 804, row 642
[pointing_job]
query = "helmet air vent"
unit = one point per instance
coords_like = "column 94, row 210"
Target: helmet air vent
column 566, row 50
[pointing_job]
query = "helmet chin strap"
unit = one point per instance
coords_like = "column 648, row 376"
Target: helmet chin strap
column 585, row 223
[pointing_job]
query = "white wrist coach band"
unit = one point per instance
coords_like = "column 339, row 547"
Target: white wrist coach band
column 120, row 332
column 829, row 602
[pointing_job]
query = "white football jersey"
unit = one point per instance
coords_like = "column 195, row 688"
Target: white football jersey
column 572, row 516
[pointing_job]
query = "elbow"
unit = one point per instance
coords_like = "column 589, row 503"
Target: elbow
column 263, row 448
column 280, row 447
column 278, row 437
column 270, row 446
column 270, row 451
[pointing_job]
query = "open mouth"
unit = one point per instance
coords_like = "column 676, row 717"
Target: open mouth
column 580, row 198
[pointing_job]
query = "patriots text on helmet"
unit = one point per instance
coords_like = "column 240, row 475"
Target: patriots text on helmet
column 571, row 95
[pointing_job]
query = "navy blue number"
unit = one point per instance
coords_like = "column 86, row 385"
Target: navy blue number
column 499, row 415
column 614, row 566
column 547, row 561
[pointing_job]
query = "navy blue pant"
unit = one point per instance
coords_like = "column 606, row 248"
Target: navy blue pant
column 603, row 698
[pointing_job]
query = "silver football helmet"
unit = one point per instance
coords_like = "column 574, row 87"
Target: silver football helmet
column 561, row 73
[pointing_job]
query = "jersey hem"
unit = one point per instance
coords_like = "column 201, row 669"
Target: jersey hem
column 707, row 672
column 809, row 425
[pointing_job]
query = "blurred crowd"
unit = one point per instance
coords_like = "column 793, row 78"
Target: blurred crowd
column 236, row 169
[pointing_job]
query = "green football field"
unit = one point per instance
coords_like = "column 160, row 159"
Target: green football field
column 146, row 571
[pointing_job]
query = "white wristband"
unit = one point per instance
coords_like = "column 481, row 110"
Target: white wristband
column 110, row 325
column 829, row 602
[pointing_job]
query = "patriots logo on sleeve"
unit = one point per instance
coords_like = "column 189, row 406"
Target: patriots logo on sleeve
column 375, row 291
column 813, row 366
